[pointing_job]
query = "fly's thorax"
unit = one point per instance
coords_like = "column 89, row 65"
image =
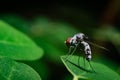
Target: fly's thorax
column 73, row 41
column 81, row 37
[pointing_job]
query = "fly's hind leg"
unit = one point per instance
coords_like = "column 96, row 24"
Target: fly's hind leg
column 84, row 62
column 83, row 59
column 79, row 61
column 91, row 67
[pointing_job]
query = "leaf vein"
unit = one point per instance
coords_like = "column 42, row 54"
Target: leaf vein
column 11, row 72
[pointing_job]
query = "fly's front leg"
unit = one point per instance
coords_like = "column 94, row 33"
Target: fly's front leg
column 71, row 52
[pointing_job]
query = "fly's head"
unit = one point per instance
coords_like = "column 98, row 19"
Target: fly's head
column 71, row 42
column 68, row 42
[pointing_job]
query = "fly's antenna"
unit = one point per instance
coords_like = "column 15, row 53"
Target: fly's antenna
column 91, row 67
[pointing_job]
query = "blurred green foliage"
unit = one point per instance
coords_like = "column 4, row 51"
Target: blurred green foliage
column 11, row 70
column 16, row 45
column 49, row 31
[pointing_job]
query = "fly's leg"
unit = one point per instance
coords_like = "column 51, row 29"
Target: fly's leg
column 87, row 53
column 79, row 60
column 84, row 62
column 91, row 67
column 71, row 53
column 70, row 49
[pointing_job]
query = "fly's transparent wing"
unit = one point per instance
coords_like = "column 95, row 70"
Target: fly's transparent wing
column 96, row 45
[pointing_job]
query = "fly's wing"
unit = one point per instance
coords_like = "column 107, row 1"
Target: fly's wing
column 96, row 45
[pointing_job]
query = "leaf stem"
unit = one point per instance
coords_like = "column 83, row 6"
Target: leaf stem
column 75, row 78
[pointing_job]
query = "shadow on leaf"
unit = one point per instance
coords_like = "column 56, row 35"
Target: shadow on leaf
column 80, row 67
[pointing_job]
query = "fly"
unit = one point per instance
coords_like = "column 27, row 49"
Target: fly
column 80, row 38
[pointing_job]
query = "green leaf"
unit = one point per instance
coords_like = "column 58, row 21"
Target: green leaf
column 11, row 70
column 82, row 71
column 16, row 45
column 41, row 67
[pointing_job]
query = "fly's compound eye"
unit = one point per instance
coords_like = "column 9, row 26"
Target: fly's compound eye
column 67, row 42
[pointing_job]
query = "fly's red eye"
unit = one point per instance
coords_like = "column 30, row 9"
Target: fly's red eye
column 68, row 41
